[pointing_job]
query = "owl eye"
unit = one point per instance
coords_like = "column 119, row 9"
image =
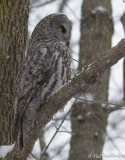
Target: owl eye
column 62, row 29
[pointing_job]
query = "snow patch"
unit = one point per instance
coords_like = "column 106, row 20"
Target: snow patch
column 5, row 149
column 100, row 8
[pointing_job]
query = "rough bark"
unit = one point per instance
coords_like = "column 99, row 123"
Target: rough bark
column 96, row 32
column 77, row 85
column 13, row 34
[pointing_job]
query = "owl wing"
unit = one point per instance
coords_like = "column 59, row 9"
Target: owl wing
column 36, row 68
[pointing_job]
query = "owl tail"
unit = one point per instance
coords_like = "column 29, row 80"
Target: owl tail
column 20, row 139
column 14, row 132
column 17, row 135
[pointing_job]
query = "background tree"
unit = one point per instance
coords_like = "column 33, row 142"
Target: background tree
column 123, row 22
column 89, row 128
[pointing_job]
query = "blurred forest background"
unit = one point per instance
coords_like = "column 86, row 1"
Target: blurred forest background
column 94, row 128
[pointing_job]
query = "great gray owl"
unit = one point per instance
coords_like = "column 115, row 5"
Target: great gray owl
column 45, row 69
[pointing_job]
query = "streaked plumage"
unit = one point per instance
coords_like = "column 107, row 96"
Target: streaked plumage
column 45, row 69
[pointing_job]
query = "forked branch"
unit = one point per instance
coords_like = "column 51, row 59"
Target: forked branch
column 77, row 85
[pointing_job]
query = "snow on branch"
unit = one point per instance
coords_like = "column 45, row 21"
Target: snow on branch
column 77, row 85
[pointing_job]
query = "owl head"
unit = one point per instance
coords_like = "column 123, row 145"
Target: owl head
column 53, row 27
column 62, row 27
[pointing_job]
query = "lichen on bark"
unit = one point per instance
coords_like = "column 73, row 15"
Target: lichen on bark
column 13, row 35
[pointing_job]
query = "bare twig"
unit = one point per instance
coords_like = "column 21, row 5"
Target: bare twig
column 62, row 5
column 72, row 11
column 34, row 156
column 93, row 114
column 57, row 130
column 75, row 60
column 42, row 4
column 60, row 149
column 66, row 132
column 115, row 146
column 118, row 106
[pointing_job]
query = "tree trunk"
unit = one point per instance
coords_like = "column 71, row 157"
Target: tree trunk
column 123, row 22
column 91, row 119
column 13, row 36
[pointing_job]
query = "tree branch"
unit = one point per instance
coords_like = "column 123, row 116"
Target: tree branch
column 41, row 5
column 77, row 85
